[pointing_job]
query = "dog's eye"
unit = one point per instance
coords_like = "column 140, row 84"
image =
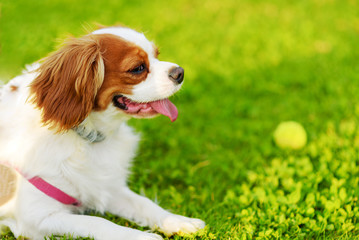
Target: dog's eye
column 139, row 69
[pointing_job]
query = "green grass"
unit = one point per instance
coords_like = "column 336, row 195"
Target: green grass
column 249, row 65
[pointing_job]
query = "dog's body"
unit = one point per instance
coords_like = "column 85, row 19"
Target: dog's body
column 66, row 124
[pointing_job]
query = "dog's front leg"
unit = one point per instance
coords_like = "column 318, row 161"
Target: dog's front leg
column 144, row 212
column 90, row 226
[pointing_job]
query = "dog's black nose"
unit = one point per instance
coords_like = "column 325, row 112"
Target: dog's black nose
column 176, row 74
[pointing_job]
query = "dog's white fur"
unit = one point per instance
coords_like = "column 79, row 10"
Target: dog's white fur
column 94, row 173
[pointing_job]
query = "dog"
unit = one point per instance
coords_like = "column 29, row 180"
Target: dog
column 63, row 128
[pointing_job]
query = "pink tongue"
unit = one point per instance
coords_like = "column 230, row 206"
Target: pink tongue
column 166, row 108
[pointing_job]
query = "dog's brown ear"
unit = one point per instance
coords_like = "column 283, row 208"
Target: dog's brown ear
column 67, row 83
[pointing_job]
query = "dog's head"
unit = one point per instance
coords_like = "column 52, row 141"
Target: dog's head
column 111, row 67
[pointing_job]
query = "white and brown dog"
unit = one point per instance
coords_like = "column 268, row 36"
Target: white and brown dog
column 63, row 128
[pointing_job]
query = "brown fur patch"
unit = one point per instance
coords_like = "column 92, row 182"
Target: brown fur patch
column 157, row 51
column 67, row 83
column 120, row 57
column 13, row 88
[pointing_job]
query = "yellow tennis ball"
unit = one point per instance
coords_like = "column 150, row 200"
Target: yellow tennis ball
column 290, row 135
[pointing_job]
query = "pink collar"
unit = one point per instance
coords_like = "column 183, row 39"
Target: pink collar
column 52, row 191
column 47, row 188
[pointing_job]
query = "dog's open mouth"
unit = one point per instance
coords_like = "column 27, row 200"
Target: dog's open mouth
column 163, row 106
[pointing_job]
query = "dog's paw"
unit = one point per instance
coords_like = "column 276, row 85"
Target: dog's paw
column 176, row 224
